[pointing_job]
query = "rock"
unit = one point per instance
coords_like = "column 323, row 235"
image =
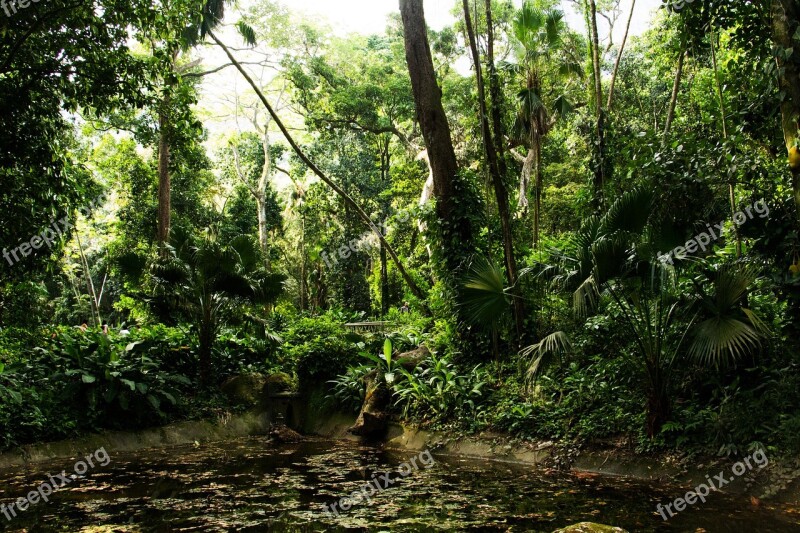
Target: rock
column 244, row 389
column 110, row 529
column 372, row 420
column 590, row 527
column 281, row 433
column 277, row 384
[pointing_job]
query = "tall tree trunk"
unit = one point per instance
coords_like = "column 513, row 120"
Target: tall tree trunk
column 384, row 282
column 536, row 148
column 95, row 303
column 432, row 119
column 261, row 196
column 316, row 170
column 673, row 101
column 303, row 266
column 492, row 157
column 785, row 22
column 206, row 339
column 164, row 185
column 600, row 153
column 722, row 112
column 386, row 170
column 595, row 45
column 496, row 93
column 619, row 59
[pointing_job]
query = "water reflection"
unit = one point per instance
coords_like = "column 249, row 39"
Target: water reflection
column 252, row 485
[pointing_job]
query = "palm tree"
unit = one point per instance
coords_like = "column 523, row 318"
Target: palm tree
column 205, row 280
column 540, row 42
column 615, row 257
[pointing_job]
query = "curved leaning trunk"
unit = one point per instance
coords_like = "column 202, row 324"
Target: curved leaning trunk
column 316, row 170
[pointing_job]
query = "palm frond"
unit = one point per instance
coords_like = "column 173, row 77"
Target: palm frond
column 542, row 354
column 630, row 212
column 586, row 297
column 722, row 340
column 483, row 293
column 247, row 32
column 562, row 106
column 732, row 331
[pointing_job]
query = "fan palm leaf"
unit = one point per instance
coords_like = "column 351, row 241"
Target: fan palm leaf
column 483, row 293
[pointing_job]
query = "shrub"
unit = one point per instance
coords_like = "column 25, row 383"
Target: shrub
column 349, row 389
column 438, row 390
column 80, row 381
column 319, row 348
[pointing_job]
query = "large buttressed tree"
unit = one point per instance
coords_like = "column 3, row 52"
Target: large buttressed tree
column 430, row 112
column 457, row 230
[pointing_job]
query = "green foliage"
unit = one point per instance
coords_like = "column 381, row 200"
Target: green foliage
column 319, row 349
column 203, row 280
column 437, row 391
column 348, row 390
column 78, row 381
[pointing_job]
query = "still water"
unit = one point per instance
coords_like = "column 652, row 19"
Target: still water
column 252, row 485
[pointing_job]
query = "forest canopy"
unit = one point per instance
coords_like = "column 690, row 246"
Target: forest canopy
column 590, row 232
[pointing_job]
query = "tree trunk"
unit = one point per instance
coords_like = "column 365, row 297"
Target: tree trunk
column 619, row 59
column 722, row 112
column 261, row 196
column 492, row 157
column 384, row 283
column 303, row 263
column 164, row 186
column 432, row 119
column 595, row 45
column 316, row 170
column 206, row 343
column 600, row 163
column 263, row 234
column 658, row 411
column 496, row 93
column 785, row 20
column 674, row 98
column 536, row 148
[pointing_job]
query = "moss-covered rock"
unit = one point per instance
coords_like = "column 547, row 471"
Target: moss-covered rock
column 245, row 389
column 590, row 527
column 277, row 384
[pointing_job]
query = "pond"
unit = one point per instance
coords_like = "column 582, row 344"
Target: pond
column 253, row 485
